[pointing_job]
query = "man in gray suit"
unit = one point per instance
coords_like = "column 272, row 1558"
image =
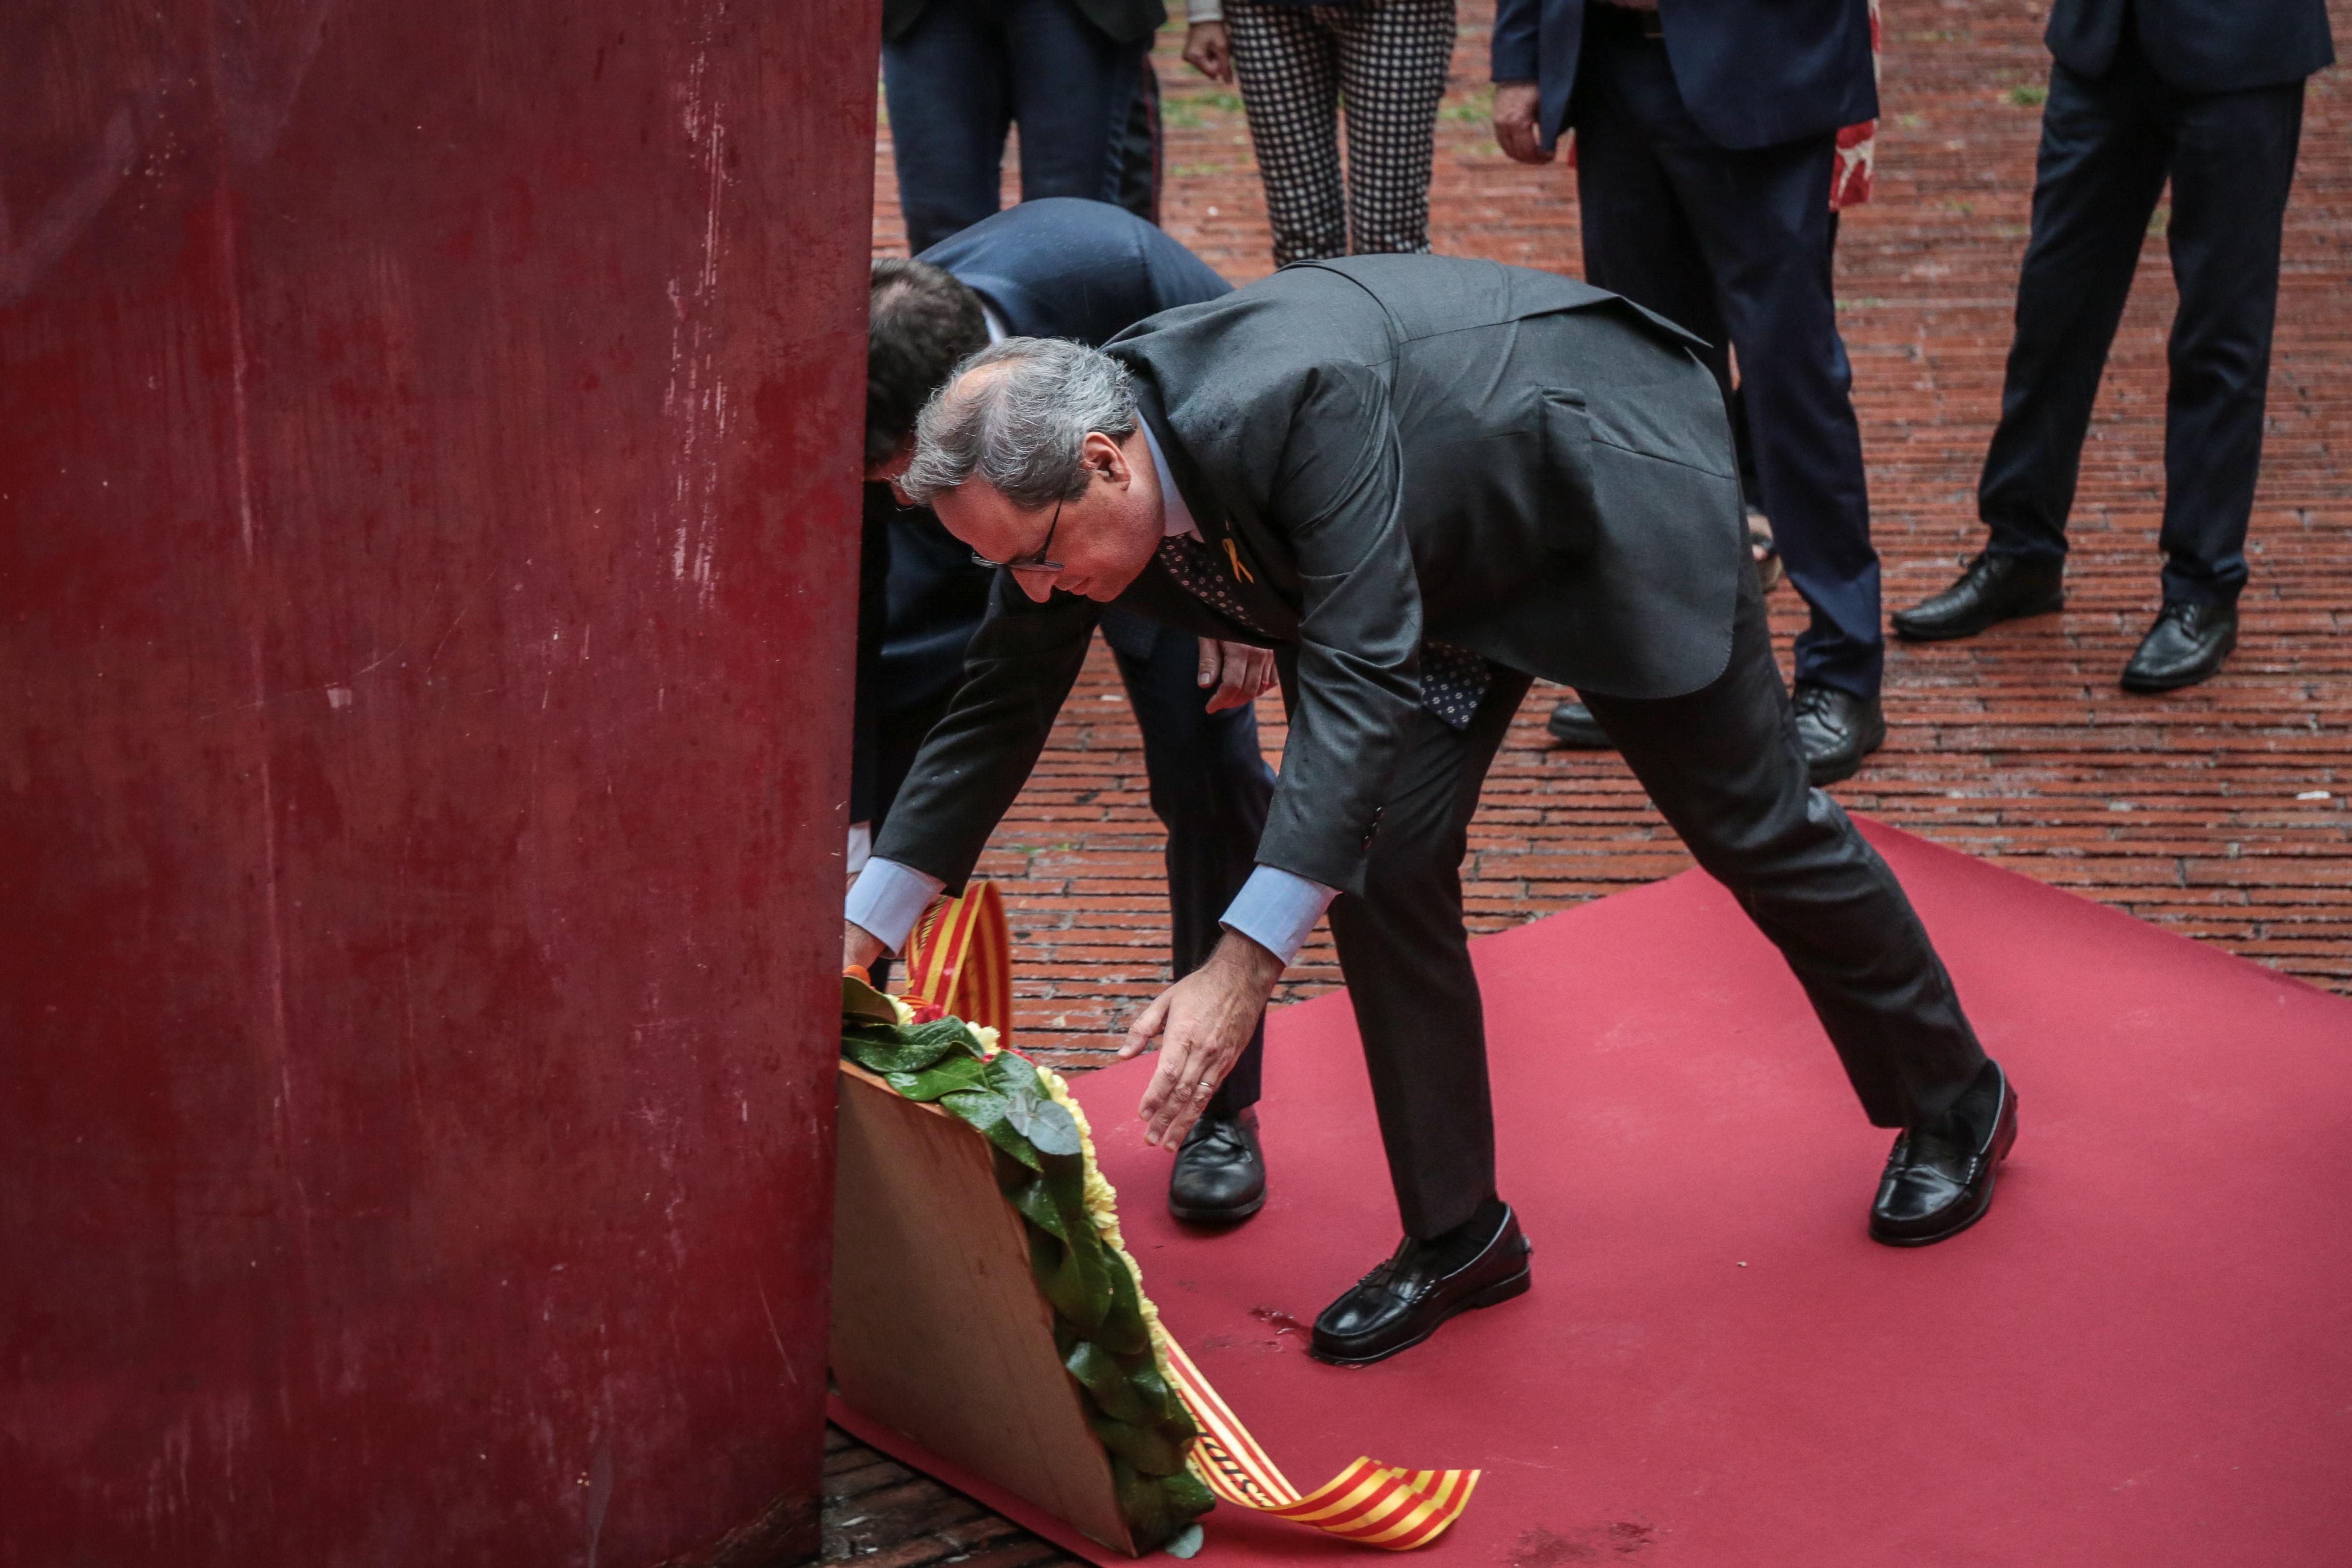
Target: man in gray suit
column 1424, row 482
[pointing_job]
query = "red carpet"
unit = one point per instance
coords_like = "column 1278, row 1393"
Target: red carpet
column 2140, row 1358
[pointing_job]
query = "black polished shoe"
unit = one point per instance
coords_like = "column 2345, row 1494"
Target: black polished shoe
column 1220, row 1175
column 1406, row 1299
column 1938, row 1179
column 1573, row 726
column 1994, row 589
column 2186, row 645
column 1836, row 730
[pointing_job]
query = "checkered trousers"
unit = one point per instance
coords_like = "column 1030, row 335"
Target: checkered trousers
column 1387, row 59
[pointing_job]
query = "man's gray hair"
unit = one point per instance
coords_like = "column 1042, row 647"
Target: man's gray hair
column 1020, row 429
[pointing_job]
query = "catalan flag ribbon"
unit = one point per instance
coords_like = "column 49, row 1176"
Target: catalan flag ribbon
column 1369, row 1503
column 958, row 961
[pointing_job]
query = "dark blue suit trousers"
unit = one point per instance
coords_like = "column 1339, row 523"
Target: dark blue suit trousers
column 2108, row 144
column 1733, row 244
column 969, row 70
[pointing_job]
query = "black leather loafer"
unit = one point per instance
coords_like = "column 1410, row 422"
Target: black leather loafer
column 1938, row 1181
column 1573, row 726
column 2186, row 645
column 1993, row 589
column 1836, row 730
column 1408, row 1297
column 1220, row 1175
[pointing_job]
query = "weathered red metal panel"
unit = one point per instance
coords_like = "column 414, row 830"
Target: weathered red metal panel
column 426, row 434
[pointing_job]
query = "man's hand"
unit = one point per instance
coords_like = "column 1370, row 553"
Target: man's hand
column 859, row 946
column 1515, row 122
column 1209, row 50
column 1202, row 1022
column 1238, row 671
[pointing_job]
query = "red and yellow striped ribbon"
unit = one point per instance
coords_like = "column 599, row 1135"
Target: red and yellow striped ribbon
column 1368, row 1502
column 959, row 961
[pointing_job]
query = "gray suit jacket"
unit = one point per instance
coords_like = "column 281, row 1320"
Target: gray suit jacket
column 1387, row 448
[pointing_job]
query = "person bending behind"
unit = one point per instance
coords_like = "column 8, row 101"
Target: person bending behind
column 1084, row 270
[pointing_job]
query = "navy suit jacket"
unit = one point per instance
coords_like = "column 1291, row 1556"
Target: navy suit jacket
column 1753, row 73
column 2198, row 46
column 1056, row 267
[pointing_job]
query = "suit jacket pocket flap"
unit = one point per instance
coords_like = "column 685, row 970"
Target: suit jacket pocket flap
column 1569, row 519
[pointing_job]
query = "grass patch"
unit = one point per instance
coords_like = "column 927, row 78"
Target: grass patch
column 2027, row 95
column 1191, row 109
column 1478, row 108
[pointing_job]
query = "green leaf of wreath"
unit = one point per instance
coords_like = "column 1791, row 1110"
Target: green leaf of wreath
column 1188, row 1494
column 1108, row 1386
column 1036, row 1204
column 986, row 1111
column 957, row 1073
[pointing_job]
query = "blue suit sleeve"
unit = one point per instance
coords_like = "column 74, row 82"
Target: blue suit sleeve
column 1517, row 24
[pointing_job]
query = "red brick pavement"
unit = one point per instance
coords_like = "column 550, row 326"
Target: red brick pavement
column 2201, row 811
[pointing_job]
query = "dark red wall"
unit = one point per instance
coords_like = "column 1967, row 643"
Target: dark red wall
column 426, row 438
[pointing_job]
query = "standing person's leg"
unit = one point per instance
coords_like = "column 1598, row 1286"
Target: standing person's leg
column 1286, row 63
column 2097, row 178
column 1140, row 148
column 1074, row 89
column 2233, row 163
column 1762, row 220
column 1209, row 789
column 1724, row 766
column 1637, row 240
column 1394, row 54
column 1751, row 485
column 945, row 83
column 1407, row 962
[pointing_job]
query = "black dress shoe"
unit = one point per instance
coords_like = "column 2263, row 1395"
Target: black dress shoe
column 1994, row 589
column 1573, row 726
column 1938, row 1179
column 1406, row 1299
column 1836, row 730
column 2186, row 645
column 1220, row 1175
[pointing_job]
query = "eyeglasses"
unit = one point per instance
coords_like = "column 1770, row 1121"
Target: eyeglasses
column 1033, row 562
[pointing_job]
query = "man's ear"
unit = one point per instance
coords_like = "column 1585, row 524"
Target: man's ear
column 1105, row 456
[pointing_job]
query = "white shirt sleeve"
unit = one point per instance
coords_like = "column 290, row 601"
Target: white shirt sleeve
column 887, row 900
column 1204, row 11
column 1275, row 909
column 861, row 847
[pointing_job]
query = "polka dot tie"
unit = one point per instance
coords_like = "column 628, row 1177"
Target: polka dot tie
column 1453, row 679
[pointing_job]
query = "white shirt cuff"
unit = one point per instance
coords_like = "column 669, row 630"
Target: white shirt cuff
column 1276, row 909
column 887, row 900
column 861, row 847
column 1196, row 11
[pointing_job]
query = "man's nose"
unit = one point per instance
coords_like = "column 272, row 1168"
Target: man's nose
column 1036, row 585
